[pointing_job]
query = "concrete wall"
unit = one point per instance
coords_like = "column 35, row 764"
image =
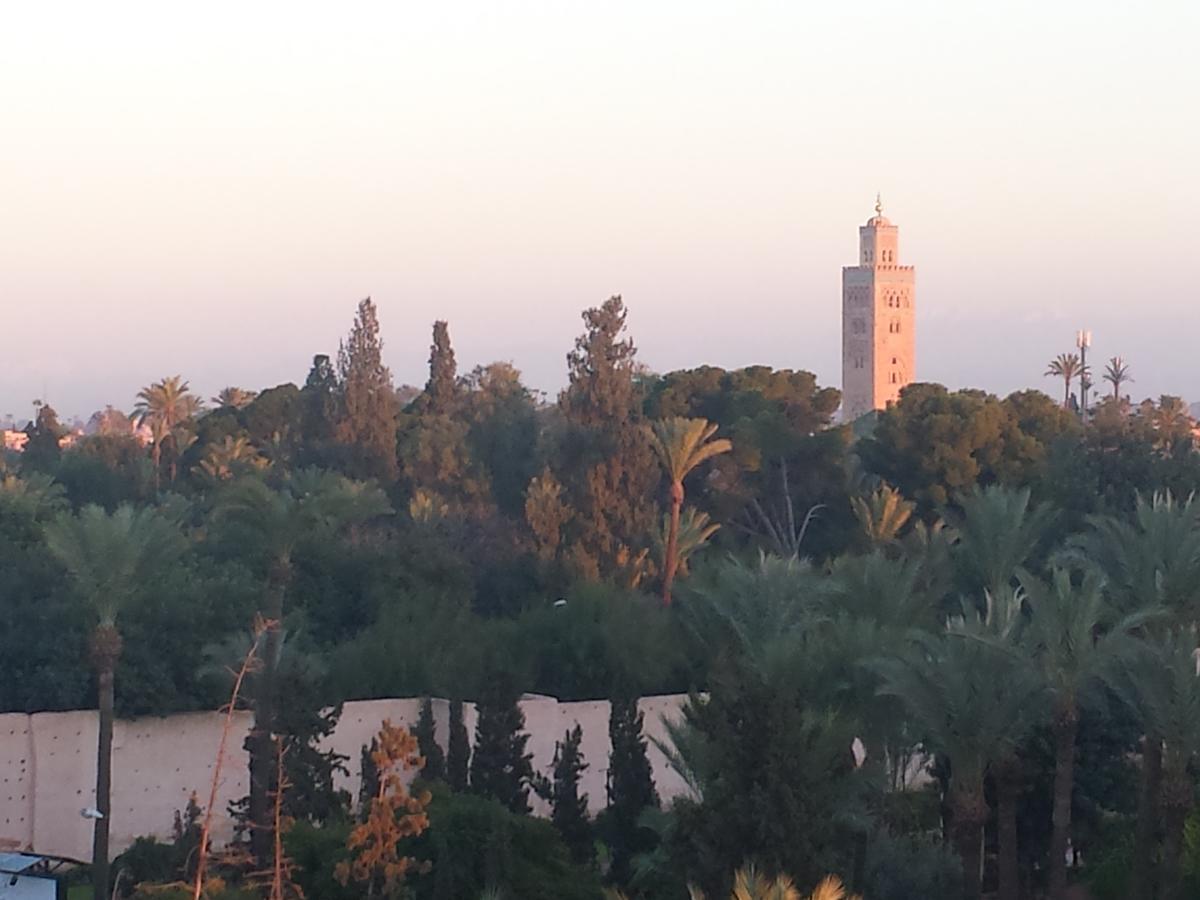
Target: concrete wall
column 48, row 764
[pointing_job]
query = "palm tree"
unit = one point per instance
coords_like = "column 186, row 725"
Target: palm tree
column 998, row 533
column 1067, row 367
column 756, row 608
column 695, row 530
column 1172, row 423
column 164, row 407
column 882, row 514
column 36, row 495
column 1001, row 626
column 234, row 398
column 682, row 445
column 1077, row 643
column 1151, row 560
column 1116, row 373
column 973, row 701
column 112, row 560
column 750, row 884
column 1164, row 687
column 873, row 602
column 272, row 523
column 233, row 456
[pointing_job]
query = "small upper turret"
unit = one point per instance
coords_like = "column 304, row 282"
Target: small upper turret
column 878, row 240
column 878, row 220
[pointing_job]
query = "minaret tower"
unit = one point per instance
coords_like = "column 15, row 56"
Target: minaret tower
column 878, row 346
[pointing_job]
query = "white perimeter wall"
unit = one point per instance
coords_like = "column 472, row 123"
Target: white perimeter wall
column 48, row 764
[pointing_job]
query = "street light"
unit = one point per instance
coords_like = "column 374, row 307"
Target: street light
column 1083, row 340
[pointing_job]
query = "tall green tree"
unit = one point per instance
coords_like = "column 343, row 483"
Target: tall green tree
column 503, row 432
column 442, row 391
column 771, row 768
column 458, row 750
column 788, row 457
column 113, row 561
column 607, row 458
column 500, row 764
column 319, row 408
column 271, row 523
column 630, row 784
column 568, row 807
column 367, row 428
column 935, row 445
column 682, row 446
column 546, row 513
column 426, row 735
column 43, row 449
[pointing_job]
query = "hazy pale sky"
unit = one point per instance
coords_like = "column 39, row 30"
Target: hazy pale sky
column 209, row 190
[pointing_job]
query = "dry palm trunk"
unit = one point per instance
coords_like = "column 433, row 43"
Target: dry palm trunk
column 1066, row 724
column 105, row 651
column 1177, row 801
column 1008, row 789
column 970, row 815
column 277, row 875
column 670, row 557
column 1142, row 879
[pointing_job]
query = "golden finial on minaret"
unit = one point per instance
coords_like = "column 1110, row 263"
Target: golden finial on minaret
column 878, row 204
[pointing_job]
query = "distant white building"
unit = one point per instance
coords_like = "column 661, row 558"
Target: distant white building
column 14, row 441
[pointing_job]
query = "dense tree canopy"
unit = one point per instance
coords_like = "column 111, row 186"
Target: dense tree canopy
column 957, row 627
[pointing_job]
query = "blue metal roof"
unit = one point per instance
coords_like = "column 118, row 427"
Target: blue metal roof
column 15, row 863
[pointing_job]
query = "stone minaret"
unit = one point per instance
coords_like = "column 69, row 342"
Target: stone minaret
column 878, row 347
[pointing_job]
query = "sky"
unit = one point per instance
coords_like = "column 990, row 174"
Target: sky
column 209, row 190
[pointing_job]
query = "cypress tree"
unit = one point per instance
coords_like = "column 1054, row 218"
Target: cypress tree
column 369, row 783
column 611, row 473
column 320, row 402
column 442, row 390
column 42, row 451
column 500, row 767
column 368, row 399
column 569, row 808
column 458, row 750
column 630, row 786
column 435, row 760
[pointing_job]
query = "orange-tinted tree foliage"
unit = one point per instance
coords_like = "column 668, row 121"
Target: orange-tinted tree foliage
column 394, row 814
